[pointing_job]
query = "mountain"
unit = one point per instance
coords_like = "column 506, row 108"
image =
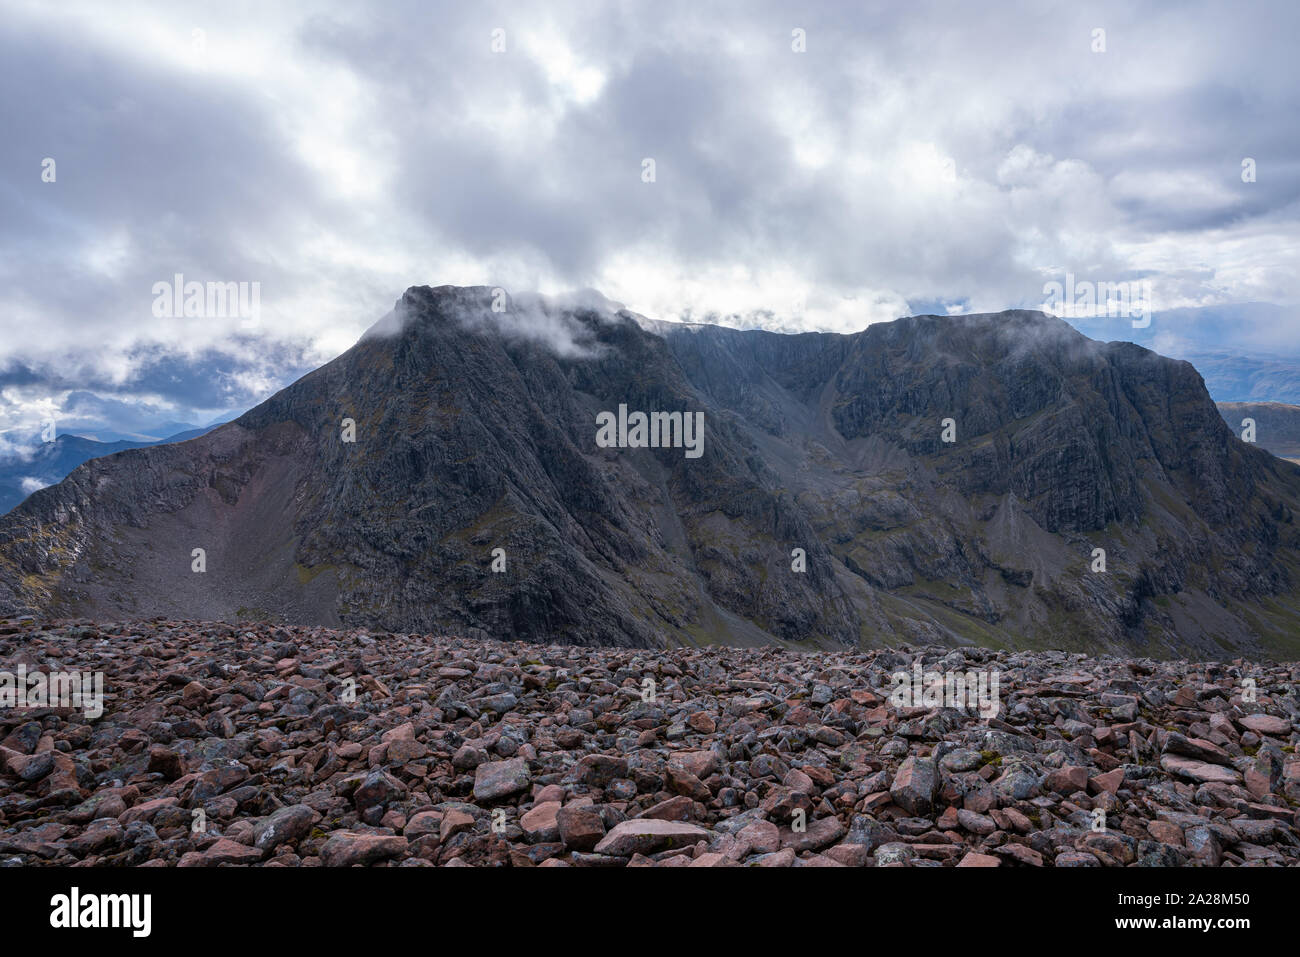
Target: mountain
column 50, row 461
column 1249, row 378
column 1246, row 352
column 477, row 430
column 164, row 433
column 1277, row 426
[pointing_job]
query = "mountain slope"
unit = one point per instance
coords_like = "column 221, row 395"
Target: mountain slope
column 477, row 431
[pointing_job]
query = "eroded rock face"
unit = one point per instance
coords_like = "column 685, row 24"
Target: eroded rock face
column 472, row 434
column 257, row 745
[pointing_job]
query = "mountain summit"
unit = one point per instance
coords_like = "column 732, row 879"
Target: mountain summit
column 521, row 469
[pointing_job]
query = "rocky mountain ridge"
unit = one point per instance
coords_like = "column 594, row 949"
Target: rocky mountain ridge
column 827, row 507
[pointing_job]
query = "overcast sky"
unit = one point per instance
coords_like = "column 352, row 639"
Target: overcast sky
column 913, row 158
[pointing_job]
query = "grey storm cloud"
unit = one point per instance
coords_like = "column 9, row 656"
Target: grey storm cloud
column 921, row 157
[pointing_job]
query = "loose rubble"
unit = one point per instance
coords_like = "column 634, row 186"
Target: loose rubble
column 252, row 744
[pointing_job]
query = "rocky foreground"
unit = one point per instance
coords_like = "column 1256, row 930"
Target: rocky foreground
column 281, row 746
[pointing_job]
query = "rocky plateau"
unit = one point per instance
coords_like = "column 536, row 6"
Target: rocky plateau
column 224, row 745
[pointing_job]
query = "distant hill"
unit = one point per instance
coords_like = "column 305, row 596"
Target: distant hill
column 1249, row 352
column 166, row 432
column 1277, row 426
column 1245, row 378
column 52, row 461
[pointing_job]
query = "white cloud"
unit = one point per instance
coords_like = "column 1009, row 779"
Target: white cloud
column 921, row 154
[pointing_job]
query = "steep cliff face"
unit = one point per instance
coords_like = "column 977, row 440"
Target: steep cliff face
column 477, row 431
